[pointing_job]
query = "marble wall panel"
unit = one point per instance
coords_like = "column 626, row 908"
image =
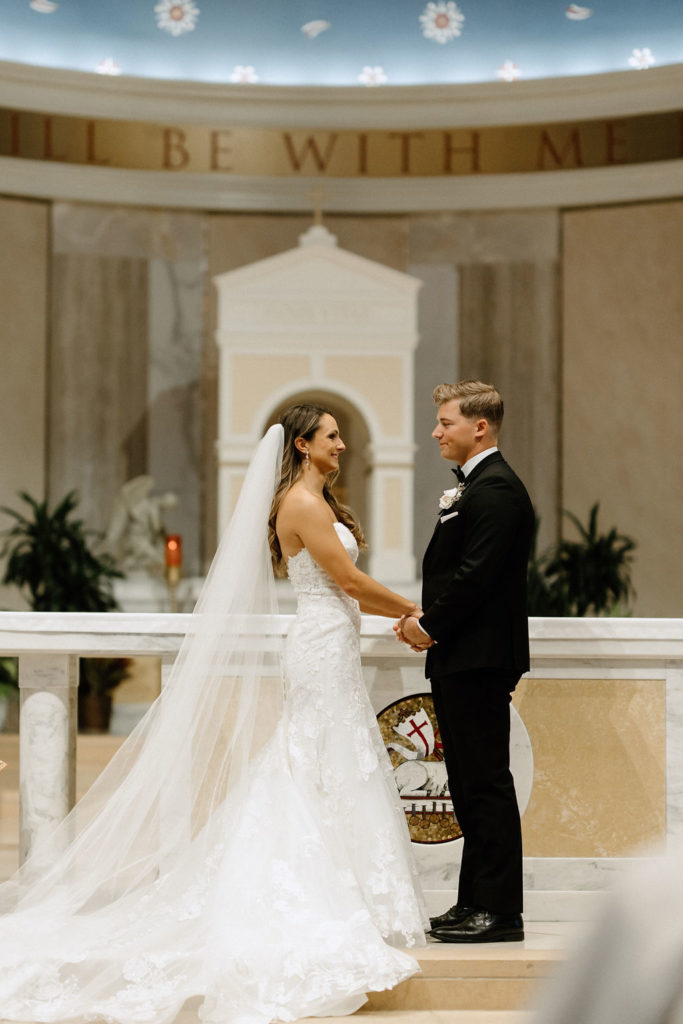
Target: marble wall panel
column 501, row 236
column 622, row 383
column 98, row 379
column 127, row 319
column 175, row 308
column 599, row 765
column 24, row 268
column 126, row 231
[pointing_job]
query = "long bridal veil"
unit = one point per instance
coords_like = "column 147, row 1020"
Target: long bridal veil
column 189, row 755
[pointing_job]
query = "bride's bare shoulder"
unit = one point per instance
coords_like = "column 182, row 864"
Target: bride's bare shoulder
column 298, row 503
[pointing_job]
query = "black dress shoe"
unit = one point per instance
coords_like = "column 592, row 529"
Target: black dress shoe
column 451, row 917
column 482, row 926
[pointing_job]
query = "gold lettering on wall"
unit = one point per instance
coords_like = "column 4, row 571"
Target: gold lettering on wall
column 564, row 154
column 406, row 140
column 321, row 160
column 175, row 155
column 91, row 156
column 615, row 144
column 450, row 150
column 219, row 149
column 362, row 153
column 345, row 153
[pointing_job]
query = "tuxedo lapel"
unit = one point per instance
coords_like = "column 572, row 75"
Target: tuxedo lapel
column 494, row 457
column 432, row 539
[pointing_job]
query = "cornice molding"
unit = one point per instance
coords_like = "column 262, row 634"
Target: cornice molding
column 615, row 94
column 603, row 185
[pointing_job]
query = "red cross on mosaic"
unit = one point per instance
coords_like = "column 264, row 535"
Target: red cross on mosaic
column 417, row 730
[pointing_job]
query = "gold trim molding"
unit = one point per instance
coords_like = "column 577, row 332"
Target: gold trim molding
column 301, row 153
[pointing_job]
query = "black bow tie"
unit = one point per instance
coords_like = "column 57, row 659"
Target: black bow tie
column 459, row 473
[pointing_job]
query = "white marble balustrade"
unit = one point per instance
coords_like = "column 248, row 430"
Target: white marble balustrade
column 48, row 645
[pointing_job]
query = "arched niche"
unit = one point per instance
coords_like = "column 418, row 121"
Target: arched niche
column 318, row 321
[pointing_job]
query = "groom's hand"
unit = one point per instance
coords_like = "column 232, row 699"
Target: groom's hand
column 408, row 631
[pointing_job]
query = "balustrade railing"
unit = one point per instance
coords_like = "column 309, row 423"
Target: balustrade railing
column 48, row 646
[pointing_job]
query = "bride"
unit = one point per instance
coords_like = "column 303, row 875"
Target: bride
column 245, row 850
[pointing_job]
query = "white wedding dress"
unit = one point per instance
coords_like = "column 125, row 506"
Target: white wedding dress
column 287, row 904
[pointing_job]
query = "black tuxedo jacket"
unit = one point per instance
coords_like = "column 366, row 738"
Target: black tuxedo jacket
column 474, row 576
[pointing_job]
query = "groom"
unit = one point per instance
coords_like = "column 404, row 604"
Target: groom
column 475, row 630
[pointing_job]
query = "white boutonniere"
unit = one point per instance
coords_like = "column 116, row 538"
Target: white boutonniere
column 449, row 497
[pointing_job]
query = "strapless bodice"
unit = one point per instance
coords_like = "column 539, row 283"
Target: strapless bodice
column 307, row 577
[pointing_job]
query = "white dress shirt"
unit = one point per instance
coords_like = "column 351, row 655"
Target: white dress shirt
column 468, row 466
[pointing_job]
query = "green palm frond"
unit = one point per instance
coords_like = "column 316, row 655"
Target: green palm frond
column 589, row 576
column 50, row 558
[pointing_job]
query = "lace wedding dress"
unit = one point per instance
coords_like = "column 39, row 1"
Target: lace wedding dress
column 289, row 902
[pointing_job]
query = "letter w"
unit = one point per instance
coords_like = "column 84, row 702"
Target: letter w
column 310, row 146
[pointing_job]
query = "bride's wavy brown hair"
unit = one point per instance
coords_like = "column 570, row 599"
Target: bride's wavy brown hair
column 303, row 421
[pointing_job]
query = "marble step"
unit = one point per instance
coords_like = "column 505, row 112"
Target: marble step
column 429, row 1017
column 500, row 976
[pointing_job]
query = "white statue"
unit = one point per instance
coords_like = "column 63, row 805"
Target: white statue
column 136, row 531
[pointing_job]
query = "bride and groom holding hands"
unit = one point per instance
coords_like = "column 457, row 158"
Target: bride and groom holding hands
column 293, row 896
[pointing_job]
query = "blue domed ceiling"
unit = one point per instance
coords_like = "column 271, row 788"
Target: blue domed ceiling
column 343, row 42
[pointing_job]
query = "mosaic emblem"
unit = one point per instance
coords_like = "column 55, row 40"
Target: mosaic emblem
column 411, row 735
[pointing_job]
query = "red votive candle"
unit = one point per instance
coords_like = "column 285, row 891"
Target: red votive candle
column 174, row 550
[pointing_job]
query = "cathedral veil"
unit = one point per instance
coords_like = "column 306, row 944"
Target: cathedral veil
column 154, row 805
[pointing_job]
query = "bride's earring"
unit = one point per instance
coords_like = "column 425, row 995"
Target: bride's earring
column 307, row 459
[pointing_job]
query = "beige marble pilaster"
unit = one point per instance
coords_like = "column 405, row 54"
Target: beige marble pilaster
column 622, row 414
column 509, row 337
column 24, row 260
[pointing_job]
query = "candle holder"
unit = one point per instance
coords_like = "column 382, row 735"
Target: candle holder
column 173, row 551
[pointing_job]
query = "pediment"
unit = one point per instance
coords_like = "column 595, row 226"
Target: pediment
column 318, row 270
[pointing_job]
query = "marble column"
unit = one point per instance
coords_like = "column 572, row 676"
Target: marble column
column 436, row 360
column 509, row 336
column 47, row 750
column 674, row 755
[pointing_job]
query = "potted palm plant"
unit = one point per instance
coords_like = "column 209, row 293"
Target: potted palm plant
column 588, row 576
column 9, row 693
column 51, row 557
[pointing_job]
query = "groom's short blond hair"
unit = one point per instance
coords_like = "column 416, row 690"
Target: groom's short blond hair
column 476, row 400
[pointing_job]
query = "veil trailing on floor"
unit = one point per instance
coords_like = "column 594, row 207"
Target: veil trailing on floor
column 191, row 752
